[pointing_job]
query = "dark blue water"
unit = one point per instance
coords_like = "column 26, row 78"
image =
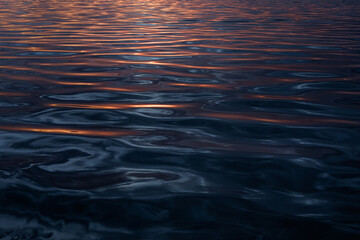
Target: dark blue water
column 216, row 120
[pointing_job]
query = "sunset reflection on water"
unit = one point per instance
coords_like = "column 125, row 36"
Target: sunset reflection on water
column 177, row 119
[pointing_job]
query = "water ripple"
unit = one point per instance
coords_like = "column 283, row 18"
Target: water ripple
column 179, row 119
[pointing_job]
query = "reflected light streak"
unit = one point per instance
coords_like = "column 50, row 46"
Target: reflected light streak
column 70, row 131
column 278, row 119
column 139, row 88
column 273, row 97
column 31, row 78
column 117, row 106
column 158, row 63
column 76, row 83
column 214, row 86
column 13, row 94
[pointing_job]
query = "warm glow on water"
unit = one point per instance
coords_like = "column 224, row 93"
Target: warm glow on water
column 115, row 105
column 86, row 132
column 169, row 119
column 279, row 119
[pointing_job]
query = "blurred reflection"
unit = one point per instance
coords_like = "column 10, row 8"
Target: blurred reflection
column 70, row 131
column 169, row 119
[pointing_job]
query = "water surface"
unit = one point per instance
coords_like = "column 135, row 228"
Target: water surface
column 176, row 119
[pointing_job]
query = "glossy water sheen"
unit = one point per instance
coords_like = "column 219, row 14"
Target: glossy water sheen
column 192, row 119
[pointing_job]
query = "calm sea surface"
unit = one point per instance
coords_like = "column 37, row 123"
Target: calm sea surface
column 179, row 120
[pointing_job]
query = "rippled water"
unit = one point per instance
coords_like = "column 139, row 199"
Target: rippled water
column 176, row 119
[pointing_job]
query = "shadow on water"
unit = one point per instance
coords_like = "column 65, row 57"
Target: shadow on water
column 176, row 119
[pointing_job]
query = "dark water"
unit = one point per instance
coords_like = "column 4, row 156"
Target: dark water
column 179, row 119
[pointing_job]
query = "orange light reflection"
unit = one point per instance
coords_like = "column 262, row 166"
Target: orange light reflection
column 71, row 131
column 214, row 86
column 116, row 105
column 278, row 119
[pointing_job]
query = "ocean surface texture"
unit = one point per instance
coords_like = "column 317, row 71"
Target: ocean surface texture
column 179, row 119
